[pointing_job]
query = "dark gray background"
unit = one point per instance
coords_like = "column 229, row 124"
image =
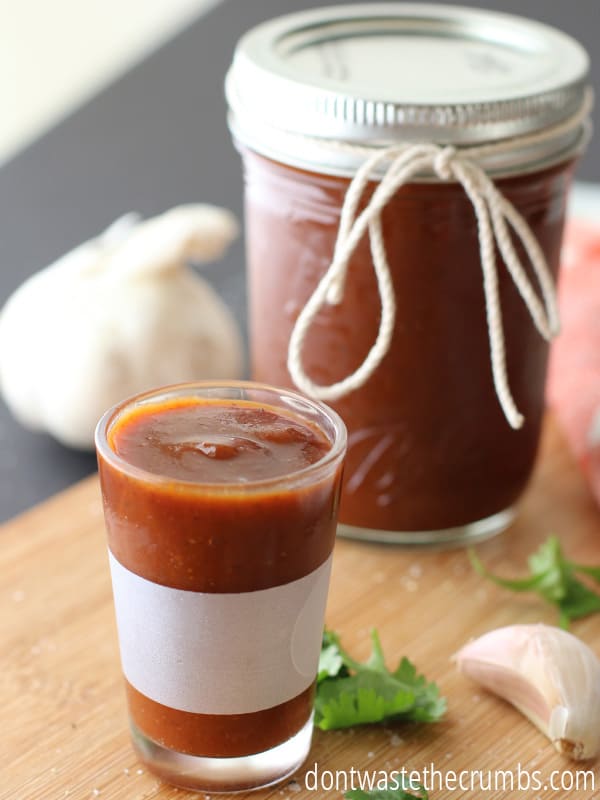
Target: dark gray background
column 154, row 139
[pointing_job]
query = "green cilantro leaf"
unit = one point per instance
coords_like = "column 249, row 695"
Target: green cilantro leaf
column 593, row 572
column 351, row 693
column 554, row 578
column 400, row 789
column 331, row 661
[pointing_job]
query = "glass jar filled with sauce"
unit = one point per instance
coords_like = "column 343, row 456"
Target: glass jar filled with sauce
column 221, row 505
column 450, row 135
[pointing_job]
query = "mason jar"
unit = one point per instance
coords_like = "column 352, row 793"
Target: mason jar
column 451, row 281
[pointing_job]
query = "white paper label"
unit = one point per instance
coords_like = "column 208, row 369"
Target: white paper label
column 220, row 653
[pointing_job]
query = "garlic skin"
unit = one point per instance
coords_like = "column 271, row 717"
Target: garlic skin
column 119, row 314
column 549, row 675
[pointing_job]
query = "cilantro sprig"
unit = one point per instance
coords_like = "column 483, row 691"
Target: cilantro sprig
column 554, row 578
column 402, row 789
column 352, row 693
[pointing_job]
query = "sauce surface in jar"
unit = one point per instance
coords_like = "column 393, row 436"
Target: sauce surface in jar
column 219, row 504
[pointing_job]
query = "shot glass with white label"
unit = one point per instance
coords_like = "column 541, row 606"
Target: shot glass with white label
column 221, row 504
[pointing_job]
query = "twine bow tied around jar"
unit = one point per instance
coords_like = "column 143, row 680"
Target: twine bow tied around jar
column 498, row 225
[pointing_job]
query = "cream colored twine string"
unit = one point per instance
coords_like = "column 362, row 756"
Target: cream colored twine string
column 495, row 216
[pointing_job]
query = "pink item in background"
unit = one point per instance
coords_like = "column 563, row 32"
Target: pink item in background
column 574, row 377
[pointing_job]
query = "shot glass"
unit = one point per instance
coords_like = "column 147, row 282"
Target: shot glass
column 220, row 504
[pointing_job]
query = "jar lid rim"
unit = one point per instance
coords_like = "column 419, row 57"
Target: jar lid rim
column 392, row 72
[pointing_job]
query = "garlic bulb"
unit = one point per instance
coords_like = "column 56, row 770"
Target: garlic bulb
column 550, row 675
column 119, row 314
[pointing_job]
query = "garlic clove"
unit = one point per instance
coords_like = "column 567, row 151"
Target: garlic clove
column 549, row 675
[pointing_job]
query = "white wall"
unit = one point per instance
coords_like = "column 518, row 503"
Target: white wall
column 56, row 53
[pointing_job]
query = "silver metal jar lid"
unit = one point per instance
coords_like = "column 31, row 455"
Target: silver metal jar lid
column 384, row 73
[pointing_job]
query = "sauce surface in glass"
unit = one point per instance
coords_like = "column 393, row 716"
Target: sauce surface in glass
column 212, row 443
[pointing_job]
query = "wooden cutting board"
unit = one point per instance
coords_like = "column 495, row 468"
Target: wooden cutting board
column 62, row 714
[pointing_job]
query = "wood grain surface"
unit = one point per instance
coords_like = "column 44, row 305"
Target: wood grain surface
column 63, row 725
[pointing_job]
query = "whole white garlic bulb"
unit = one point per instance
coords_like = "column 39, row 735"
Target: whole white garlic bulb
column 547, row 673
column 119, row 314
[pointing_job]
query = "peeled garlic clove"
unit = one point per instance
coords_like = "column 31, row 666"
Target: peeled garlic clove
column 551, row 676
